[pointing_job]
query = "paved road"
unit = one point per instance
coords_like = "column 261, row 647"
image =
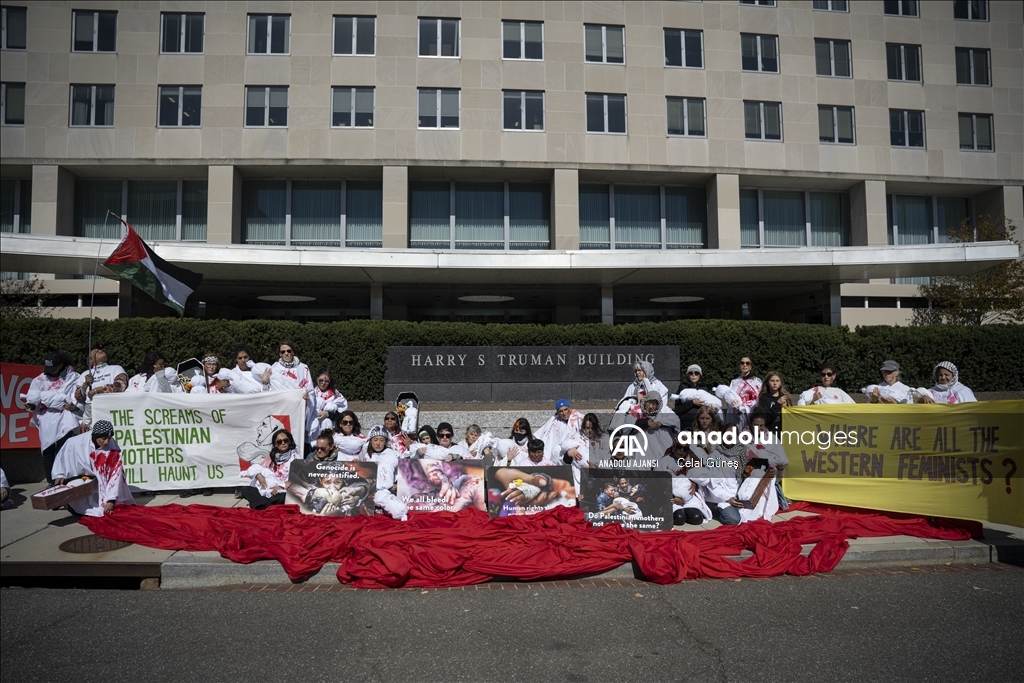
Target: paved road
column 964, row 625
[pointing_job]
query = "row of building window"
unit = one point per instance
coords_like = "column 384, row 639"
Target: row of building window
column 356, row 35
column 522, row 110
column 480, row 215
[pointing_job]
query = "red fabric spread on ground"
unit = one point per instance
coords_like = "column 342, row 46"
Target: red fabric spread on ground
column 455, row 549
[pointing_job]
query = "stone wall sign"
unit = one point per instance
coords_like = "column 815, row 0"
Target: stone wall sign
column 522, row 373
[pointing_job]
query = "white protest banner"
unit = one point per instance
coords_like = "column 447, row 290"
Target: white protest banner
column 185, row 441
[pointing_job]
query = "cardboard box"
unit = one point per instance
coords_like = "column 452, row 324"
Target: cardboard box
column 57, row 496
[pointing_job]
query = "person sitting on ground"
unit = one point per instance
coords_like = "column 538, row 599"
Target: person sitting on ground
column 154, row 376
column 644, row 370
column 535, row 456
column 565, row 422
column 507, row 450
column 269, row 479
column 577, row 449
column 774, row 397
column 5, row 492
column 102, row 378
column 324, row 448
column 239, row 378
column 55, row 411
column 688, row 504
column 477, row 443
column 947, row 387
column 826, row 393
column 95, row 454
column 377, row 451
column 706, row 421
column 396, row 439
column 329, row 402
column 747, row 387
column 687, row 409
column 212, row 381
column 446, row 437
column 349, row 436
column 772, row 452
column 891, row 390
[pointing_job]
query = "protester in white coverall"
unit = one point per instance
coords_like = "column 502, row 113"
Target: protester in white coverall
column 240, row 379
column 577, row 448
column 51, row 398
column 261, row 492
column 154, row 376
column 95, row 454
column 891, row 390
column 565, row 422
column 826, row 393
column 376, row 450
column 507, row 450
column 102, row 378
column 643, row 370
column 211, row 381
column 329, row 402
column 748, row 387
column 349, row 436
column 947, row 387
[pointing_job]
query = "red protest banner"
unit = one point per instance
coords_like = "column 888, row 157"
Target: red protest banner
column 15, row 431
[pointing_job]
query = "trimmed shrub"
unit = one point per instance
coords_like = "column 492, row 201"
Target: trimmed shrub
column 356, row 350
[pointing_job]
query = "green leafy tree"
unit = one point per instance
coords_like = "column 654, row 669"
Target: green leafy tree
column 990, row 296
column 24, row 299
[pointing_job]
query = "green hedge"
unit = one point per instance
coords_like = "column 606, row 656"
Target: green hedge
column 988, row 356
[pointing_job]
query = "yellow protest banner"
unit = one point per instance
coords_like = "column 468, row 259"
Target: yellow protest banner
column 964, row 461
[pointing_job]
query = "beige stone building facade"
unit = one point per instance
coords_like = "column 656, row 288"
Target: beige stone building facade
column 514, row 161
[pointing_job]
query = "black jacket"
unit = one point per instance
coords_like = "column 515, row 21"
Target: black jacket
column 769, row 405
column 686, row 411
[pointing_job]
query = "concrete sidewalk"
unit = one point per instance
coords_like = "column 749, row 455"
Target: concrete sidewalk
column 30, row 540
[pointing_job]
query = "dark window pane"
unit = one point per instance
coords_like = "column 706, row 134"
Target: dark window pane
column 839, row 5
column 14, row 106
column 258, row 33
column 169, row 106
column 695, row 116
column 769, row 54
column 594, row 43
column 106, row 36
column 171, row 39
column 615, row 44
column 449, row 38
column 534, row 111
column 341, row 107
column 822, row 58
column 428, row 37
column 897, row 134
column 81, row 105
column 979, row 9
column 772, row 121
column 984, row 125
column 365, row 29
column 748, row 50
column 84, row 23
column 915, row 126
column 841, row 50
column 534, row 40
column 616, row 114
column 278, row 111
column 194, row 24
column 16, row 26
column 892, row 58
column 279, row 34
column 892, row 6
column 512, row 119
column 342, row 35
column 510, row 40
column 966, row 125
column 980, row 67
column 104, row 105
column 844, row 122
column 192, row 106
column 676, row 125
column 960, row 9
column 595, row 113
column 752, row 119
column 913, row 57
column 255, row 107
column 820, row 4
column 673, row 48
column 910, row 8
column 449, row 108
column 428, row 109
column 694, row 56
column 364, row 107
column 963, row 65
column 825, row 126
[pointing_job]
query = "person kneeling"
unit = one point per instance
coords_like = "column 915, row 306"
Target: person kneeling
column 269, row 479
column 94, row 454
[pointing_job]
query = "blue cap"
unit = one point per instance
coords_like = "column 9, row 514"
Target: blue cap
column 561, row 403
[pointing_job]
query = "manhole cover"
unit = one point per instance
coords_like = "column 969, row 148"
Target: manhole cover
column 92, row 544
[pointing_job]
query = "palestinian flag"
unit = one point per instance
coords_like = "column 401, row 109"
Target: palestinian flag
column 167, row 284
